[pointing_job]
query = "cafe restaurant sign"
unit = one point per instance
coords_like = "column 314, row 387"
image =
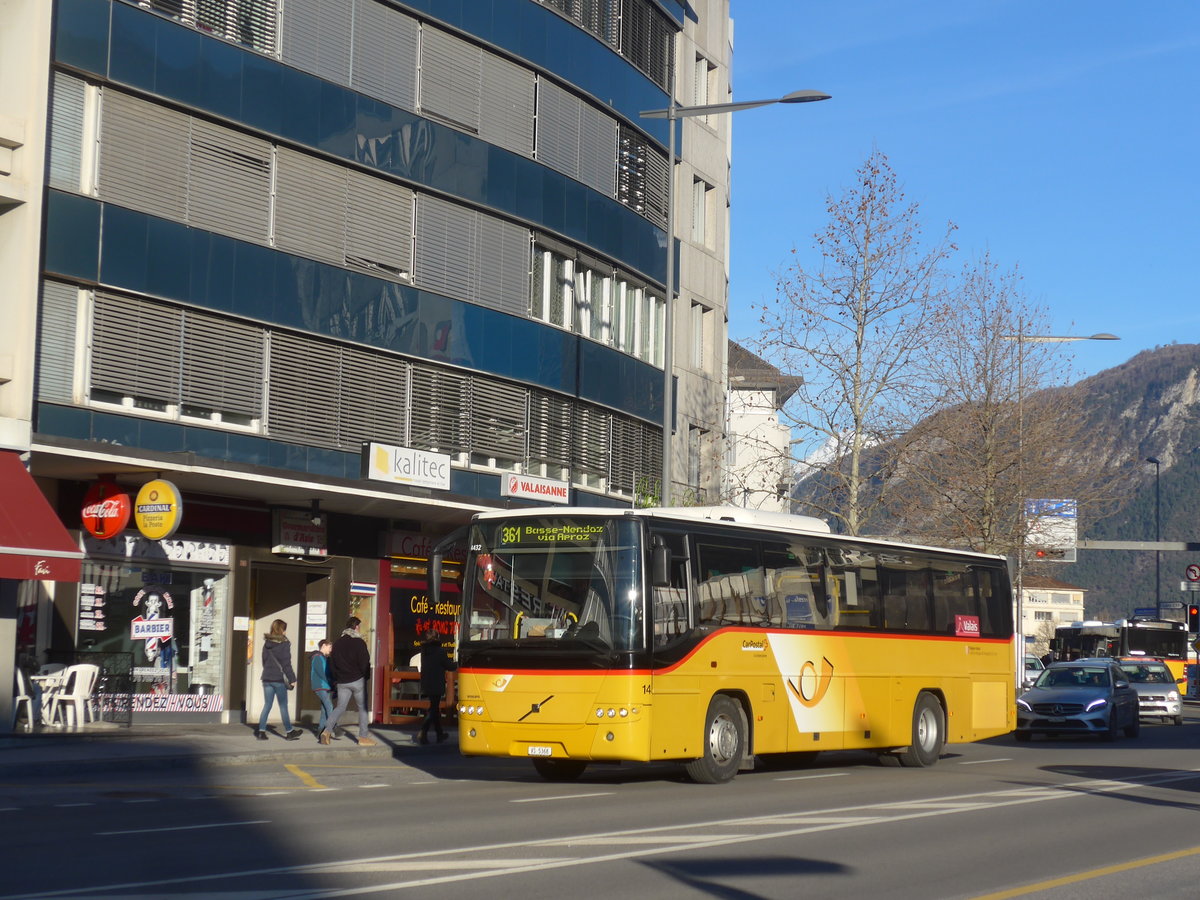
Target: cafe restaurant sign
column 528, row 487
column 158, row 509
column 403, row 465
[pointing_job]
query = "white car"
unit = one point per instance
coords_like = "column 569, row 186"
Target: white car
column 1157, row 689
column 1033, row 668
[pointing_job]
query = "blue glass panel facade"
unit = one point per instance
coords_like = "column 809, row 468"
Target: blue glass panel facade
column 146, row 254
column 164, row 58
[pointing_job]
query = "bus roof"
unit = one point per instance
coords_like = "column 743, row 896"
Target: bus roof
column 730, row 515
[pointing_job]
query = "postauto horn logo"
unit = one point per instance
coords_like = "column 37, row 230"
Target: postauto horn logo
column 810, row 687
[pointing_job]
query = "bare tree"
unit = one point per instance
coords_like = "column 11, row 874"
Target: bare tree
column 1007, row 426
column 854, row 330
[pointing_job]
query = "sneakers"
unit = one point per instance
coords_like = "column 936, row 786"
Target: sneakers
column 365, row 741
column 293, row 735
column 261, row 735
column 324, row 737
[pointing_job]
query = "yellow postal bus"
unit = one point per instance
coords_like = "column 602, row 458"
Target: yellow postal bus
column 714, row 635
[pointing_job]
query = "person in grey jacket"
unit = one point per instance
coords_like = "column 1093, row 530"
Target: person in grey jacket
column 278, row 678
column 350, row 666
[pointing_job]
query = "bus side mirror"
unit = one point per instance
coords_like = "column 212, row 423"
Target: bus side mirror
column 660, row 566
column 433, row 575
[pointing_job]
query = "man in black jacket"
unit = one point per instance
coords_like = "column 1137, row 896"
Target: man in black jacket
column 350, row 667
column 434, row 666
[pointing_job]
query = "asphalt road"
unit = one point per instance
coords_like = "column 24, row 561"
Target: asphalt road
column 1051, row 819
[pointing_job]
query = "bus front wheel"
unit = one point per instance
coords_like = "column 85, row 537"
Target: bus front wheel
column 724, row 743
column 559, row 769
column 928, row 733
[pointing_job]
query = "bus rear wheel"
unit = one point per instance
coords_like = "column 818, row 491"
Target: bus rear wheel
column 559, row 769
column 724, row 743
column 928, row 733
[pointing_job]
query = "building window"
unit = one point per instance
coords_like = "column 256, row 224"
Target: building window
column 704, row 85
column 253, row 23
column 695, row 441
column 702, row 199
column 593, row 302
column 553, row 287
column 697, row 334
column 1043, row 616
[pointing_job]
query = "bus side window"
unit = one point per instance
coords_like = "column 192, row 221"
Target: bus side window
column 673, row 615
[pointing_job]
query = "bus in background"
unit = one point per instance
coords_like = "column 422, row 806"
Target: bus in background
column 711, row 635
column 1135, row 637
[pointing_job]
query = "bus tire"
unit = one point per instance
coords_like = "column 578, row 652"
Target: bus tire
column 928, row 733
column 724, row 741
column 559, row 769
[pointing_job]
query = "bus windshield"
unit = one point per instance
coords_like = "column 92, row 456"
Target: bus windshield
column 556, row 581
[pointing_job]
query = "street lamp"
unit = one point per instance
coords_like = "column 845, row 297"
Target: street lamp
column 1157, row 537
column 1022, row 339
column 671, row 113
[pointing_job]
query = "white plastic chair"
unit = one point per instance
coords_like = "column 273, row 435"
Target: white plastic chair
column 23, row 696
column 76, row 696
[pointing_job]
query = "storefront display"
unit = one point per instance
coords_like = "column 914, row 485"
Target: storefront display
column 167, row 603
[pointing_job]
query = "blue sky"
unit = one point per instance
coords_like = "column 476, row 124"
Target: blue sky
column 1063, row 136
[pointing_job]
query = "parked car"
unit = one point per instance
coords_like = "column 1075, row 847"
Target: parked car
column 1157, row 689
column 1084, row 696
column 1033, row 668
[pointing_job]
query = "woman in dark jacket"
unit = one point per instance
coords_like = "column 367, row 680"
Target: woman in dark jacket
column 434, row 666
column 278, row 678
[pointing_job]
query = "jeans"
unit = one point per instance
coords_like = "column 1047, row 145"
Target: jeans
column 433, row 717
column 272, row 691
column 323, row 694
column 345, row 692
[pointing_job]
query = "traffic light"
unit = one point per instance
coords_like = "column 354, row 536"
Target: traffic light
column 1193, row 618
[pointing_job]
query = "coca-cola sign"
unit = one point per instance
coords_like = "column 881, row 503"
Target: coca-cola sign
column 106, row 509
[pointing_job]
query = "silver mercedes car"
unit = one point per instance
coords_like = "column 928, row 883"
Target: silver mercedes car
column 1157, row 689
column 1085, row 696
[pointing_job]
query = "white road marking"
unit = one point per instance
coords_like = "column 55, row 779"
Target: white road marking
column 563, row 797
column 70, row 805
column 186, row 827
column 460, row 864
column 366, row 787
column 807, row 777
column 980, row 762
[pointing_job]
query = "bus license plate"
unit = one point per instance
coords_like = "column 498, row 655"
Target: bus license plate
column 540, row 751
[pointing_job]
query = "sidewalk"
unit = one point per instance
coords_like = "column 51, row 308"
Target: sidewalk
column 102, row 746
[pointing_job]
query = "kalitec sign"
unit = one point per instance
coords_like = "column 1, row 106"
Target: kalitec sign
column 403, row 465
column 529, row 487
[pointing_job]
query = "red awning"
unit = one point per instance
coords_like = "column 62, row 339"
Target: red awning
column 33, row 542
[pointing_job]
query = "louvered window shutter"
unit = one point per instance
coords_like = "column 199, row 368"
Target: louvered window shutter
column 316, row 37
column 549, row 432
column 450, row 78
column 310, row 206
column 385, row 54
column 558, row 128
column 498, row 418
column 439, row 416
column 373, row 402
column 222, row 366
column 379, row 226
column 445, row 260
column 305, row 381
column 143, row 156
column 506, row 108
column 626, row 463
column 597, row 150
column 136, row 348
column 503, row 265
column 229, row 189
column 56, row 342
column 589, row 443
column 66, row 131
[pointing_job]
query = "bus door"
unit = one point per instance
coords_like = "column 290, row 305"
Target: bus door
column 674, row 684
